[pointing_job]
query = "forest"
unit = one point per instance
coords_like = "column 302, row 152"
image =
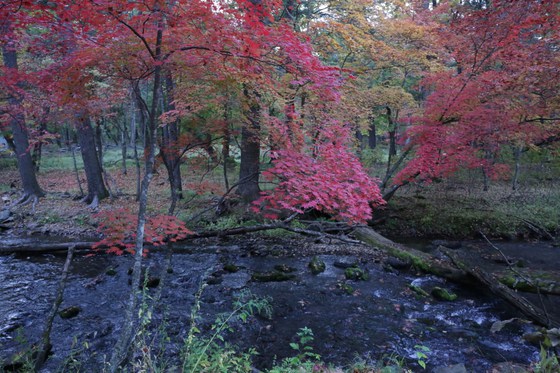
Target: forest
column 279, row 186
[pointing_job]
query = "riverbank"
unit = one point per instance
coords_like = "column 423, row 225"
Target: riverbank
column 458, row 211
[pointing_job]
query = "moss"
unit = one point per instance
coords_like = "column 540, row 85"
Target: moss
column 316, row 265
column 443, row 294
column 356, row 274
column 532, row 282
column 348, row 289
column 418, row 290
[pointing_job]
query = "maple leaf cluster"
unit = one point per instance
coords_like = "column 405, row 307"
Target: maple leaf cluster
column 119, row 230
column 332, row 181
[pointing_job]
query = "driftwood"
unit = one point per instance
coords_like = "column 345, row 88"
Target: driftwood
column 456, row 271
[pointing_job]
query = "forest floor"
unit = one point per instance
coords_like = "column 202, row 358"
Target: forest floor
column 455, row 209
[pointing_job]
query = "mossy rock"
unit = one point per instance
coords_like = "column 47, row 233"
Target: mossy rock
column 443, row 294
column 316, row 265
column 348, row 289
column 273, row 276
column 111, row 271
column 69, row 312
column 231, row 268
column 418, row 290
column 356, row 274
column 212, row 280
column 284, row 268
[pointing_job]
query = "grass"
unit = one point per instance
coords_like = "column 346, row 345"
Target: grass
column 457, row 210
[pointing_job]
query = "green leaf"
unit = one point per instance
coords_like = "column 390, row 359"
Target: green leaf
column 294, row 346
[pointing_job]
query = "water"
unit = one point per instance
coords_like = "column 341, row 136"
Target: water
column 381, row 318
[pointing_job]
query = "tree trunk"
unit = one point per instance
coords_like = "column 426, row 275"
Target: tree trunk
column 225, row 142
column 392, row 134
column 26, row 168
column 248, row 187
column 372, row 133
column 138, row 109
column 94, row 173
column 129, row 327
column 517, row 158
column 170, row 154
column 44, row 344
column 99, row 141
column 124, row 145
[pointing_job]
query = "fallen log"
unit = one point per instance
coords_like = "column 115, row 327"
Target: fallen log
column 420, row 260
column 456, row 271
column 512, row 297
column 539, row 282
column 39, row 248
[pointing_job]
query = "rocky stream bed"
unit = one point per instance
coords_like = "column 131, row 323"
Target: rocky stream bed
column 375, row 318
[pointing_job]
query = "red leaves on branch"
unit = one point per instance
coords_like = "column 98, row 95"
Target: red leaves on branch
column 332, row 182
column 119, row 229
column 501, row 84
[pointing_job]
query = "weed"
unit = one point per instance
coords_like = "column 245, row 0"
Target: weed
column 421, row 355
column 212, row 354
column 306, row 360
column 548, row 362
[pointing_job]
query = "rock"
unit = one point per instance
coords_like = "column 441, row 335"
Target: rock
column 355, row 273
column 508, row 367
column 345, row 264
column 535, row 338
column 231, row 268
column 111, row 271
column 5, row 215
column 316, row 265
column 398, row 263
column 69, row 312
column 457, row 368
column 273, row 276
column 284, row 268
column 214, row 280
column 443, row 294
column 152, row 282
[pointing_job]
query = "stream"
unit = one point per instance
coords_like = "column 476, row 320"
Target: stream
column 374, row 320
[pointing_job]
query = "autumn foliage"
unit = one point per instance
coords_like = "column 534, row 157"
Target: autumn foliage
column 119, row 230
column 330, row 180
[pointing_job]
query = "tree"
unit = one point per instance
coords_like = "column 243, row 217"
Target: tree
column 13, row 112
column 500, row 88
